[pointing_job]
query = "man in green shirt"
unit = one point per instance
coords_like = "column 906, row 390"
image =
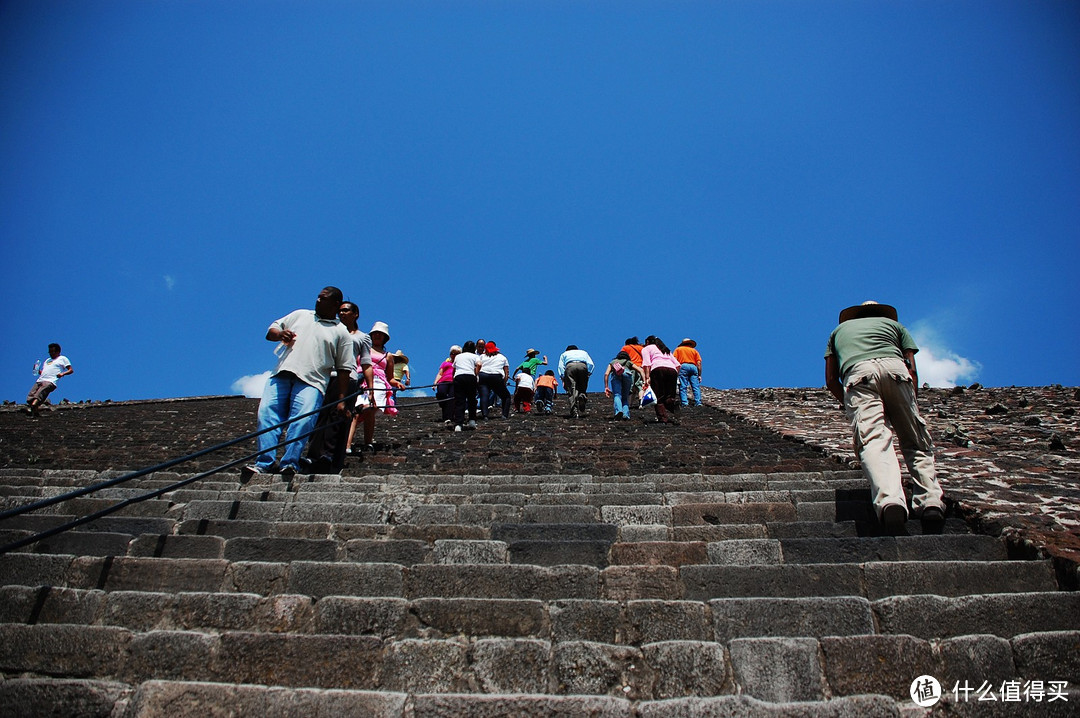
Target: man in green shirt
column 870, row 369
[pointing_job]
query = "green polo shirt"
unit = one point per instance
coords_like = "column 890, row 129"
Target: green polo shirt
column 857, row 340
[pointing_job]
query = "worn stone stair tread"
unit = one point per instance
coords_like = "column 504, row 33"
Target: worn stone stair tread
column 945, row 547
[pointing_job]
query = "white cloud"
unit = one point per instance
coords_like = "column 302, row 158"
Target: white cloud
column 252, row 385
column 938, row 366
column 170, row 282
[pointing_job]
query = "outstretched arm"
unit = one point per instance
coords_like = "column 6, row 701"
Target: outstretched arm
column 832, row 378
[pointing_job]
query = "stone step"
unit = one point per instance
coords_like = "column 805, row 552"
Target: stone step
column 632, row 622
column 739, row 569
column 771, row 669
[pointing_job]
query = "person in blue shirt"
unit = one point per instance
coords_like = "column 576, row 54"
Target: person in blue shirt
column 575, row 368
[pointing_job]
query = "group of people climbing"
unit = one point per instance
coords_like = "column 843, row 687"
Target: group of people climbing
column 473, row 380
column 325, row 360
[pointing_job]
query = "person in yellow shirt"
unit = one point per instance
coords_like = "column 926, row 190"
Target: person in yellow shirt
column 689, row 372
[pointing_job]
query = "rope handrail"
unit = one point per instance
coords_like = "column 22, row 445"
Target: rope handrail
column 131, row 500
column 93, row 488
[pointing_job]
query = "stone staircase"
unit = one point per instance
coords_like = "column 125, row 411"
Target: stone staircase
column 656, row 595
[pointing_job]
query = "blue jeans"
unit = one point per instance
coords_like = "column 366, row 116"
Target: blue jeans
column 620, row 391
column 284, row 397
column 689, row 377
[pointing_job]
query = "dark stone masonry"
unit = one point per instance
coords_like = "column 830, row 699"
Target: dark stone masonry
column 542, row 566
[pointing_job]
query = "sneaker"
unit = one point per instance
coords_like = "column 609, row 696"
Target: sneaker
column 249, row 471
column 457, row 427
column 287, row 472
column 472, row 423
column 581, row 400
column 933, row 520
column 893, row 518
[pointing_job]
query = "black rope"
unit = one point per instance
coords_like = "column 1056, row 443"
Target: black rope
column 155, row 493
column 52, row 501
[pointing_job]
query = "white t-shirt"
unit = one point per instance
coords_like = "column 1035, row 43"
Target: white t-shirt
column 321, row 346
column 465, row 363
column 525, row 380
column 362, row 348
column 493, row 364
column 50, row 370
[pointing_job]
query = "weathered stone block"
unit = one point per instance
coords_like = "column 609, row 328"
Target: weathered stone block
column 1052, row 656
column 1000, row 614
column 645, row 532
column 510, row 581
column 482, row 617
column 702, row 583
column 957, row 578
column 877, row 664
column 169, row 575
column 426, row 666
column 298, row 660
column 658, row 553
column 139, row 610
column 257, row 577
column 169, row 655
column 601, row 668
column 777, row 669
column 92, row 699
column 979, row 658
column 457, row 552
column 688, row 668
column 627, row 583
column 504, row 665
column 794, row 617
column 284, row 550
column 744, row 552
column 656, row 621
column 637, row 515
column 525, row 706
column 62, row 650
column 178, row 546
column 343, row 579
column 348, row 615
column 401, row 551
column 584, row 620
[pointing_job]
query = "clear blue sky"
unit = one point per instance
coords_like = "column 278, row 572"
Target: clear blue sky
column 177, row 174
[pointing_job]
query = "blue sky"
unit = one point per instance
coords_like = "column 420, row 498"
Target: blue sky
column 177, row 174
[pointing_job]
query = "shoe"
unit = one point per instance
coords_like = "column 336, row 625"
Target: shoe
column 447, row 422
column 368, row 448
column 472, row 423
column 248, row 472
column 581, row 400
column 288, row 472
column 933, row 520
column 457, row 427
column 893, row 518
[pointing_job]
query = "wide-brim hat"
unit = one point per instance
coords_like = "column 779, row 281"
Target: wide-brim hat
column 400, row 355
column 531, row 352
column 688, row 342
column 869, row 308
column 380, row 327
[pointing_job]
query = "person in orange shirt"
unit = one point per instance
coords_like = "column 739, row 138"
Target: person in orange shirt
column 689, row 372
column 633, row 347
column 546, row 389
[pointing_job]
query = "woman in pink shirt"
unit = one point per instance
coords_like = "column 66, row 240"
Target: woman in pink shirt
column 662, row 374
column 444, row 386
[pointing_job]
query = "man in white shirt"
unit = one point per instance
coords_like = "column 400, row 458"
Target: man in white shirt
column 575, row 367
column 56, row 366
column 494, row 372
column 315, row 343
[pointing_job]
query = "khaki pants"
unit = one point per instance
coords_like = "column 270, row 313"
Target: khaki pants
column 879, row 400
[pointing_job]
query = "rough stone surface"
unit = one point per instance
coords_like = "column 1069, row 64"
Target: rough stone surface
column 778, row 669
